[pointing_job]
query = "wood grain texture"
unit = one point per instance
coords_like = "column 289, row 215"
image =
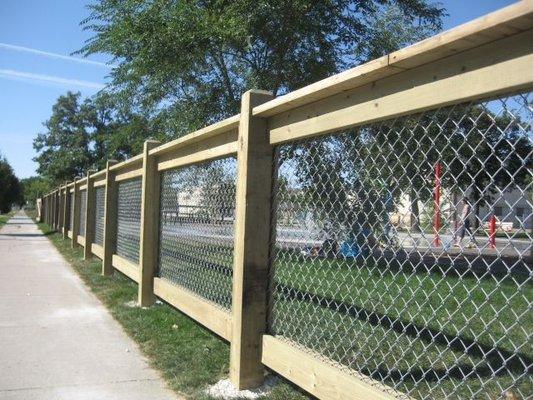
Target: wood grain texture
column 149, row 225
column 206, row 313
column 498, row 67
column 327, row 381
column 128, row 268
column 110, row 220
column 252, row 234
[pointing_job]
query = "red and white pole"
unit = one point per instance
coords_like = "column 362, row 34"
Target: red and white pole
column 492, row 231
column 437, row 221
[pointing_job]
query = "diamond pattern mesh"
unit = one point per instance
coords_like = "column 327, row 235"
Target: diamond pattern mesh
column 197, row 230
column 129, row 219
column 99, row 215
column 383, row 258
column 83, row 211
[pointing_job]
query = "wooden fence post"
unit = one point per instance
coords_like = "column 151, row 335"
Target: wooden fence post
column 54, row 210
column 50, row 209
column 60, row 208
column 89, row 216
column 52, row 203
column 149, row 225
column 110, row 220
column 56, row 198
column 252, row 233
column 51, row 214
column 76, row 214
column 39, row 208
column 66, row 215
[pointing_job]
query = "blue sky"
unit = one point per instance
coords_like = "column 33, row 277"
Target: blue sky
column 31, row 81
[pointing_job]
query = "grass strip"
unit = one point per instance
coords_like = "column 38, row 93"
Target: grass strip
column 5, row 217
column 188, row 356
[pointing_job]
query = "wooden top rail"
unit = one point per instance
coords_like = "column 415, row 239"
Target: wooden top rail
column 99, row 175
column 210, row 131
column 496, row 68
column 127, row 163
column 80, row 182
column 505, row 22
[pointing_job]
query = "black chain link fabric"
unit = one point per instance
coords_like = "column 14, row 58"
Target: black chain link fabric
column 383, row 260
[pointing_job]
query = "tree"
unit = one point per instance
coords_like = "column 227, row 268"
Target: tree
column 34, row 188
column 10, row 191
column 117, row 131
column 64, row 149
column 84, row 134
column 352, row 180
column 492, row 153
column 186, row 63
column 481, row 152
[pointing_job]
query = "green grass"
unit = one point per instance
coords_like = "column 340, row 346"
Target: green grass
column 399, row 321
column 188, row 356
column 404, row 324
column 5, row 217
column 395, row 323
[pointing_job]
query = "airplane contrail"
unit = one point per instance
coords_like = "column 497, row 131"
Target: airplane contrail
column 16, row 75
column 23, row 49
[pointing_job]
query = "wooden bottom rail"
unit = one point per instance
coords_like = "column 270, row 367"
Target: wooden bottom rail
column 128, row 268
column 97, row 250
column 81, row 240
column 319, row 378
column 202, row 311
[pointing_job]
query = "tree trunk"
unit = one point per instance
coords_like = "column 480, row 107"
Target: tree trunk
column 476, row 194
column 415, row 212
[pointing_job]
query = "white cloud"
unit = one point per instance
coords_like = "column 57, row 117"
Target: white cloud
column 18, row 75
column 23, row 49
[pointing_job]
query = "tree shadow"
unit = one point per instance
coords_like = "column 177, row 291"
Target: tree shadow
column 28, row 234
column 496, row 360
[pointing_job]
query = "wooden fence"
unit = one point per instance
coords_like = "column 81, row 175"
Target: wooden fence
column 486, row 58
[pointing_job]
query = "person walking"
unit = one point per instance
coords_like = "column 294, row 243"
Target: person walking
column 465, row 224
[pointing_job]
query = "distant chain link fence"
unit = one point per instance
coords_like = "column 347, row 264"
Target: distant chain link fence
column 197, row 229
column 129, row 219
column 83, row 211
column 99, row 215
column 383, row 258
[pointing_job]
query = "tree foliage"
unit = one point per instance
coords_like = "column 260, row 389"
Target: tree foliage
column 184, row 64
column 84, row 134
column 33, row 188
column 10, row 190
column 64, row 149
column 187, row 62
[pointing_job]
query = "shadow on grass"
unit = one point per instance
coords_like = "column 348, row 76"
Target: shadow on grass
column 28, row 234
column 498, row 361
column 189, row 356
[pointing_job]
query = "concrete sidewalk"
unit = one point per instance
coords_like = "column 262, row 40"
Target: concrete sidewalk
column 57, row 341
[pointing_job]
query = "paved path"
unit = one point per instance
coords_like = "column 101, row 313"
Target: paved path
column 57, row 341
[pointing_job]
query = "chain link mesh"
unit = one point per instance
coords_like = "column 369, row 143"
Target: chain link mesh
column 129, row 219
column 373, row 271
column 82, row 212
column 99, row 215
column 197, row 229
